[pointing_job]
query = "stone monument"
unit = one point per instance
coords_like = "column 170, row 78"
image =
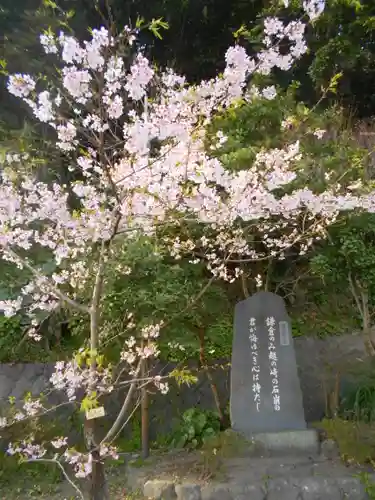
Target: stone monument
column 266, row 396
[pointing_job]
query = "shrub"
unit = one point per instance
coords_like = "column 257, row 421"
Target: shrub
column 196, row 428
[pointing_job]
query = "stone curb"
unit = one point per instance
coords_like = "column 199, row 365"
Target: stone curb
column 314, row 488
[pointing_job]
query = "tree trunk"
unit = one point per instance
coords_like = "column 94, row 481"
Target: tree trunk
column 367, row 326
column 202, row 358
column 145, row 414
column 366, row 322
column 98, row 486
column 360, row 296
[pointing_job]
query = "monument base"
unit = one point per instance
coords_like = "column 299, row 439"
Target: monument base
column 287, row 442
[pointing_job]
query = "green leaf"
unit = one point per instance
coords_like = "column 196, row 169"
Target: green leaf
column 50, row 3
column 89, row 402
column 181, row 441
column 194, row 443
column 208, row 434
column 199, row 421
column 190, row 432
column 189, row 415
column 156, row 25
column 139, row 22
column 332, row 87
column 242, row 31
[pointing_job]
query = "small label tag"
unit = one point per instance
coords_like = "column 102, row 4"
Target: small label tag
column 284, row 333
column 95, row 413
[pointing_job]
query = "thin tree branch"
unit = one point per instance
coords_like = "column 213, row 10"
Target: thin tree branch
column 126, row 422
column 355, row 295
column 51, row 460
column 192, row 302
column 30, row 417
column 117, row 423
column 244, row 286
column 55, row 291
column 95, row 301
column 142, row 379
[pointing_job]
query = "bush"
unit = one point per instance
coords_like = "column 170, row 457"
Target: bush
column 355, row 440
column 196, row 428
column 358, row 401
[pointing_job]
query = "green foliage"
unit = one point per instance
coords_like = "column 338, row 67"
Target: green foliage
column 351, row 250
column 360, row 403
column 345, row 48
column 226, row 444
column 327, row 311
column 250, row 128
column 358, row 400
column 12, row 472
column 159, row 289
column 10, row 334
column 355, row 440
column 134, row 442
column 31, row 478
column 156, row 25
column 195, row 428
column 368, row 483
column 348, row 260
column 341, row 40
column 183, row 377
column 256, row 126
column 16, row 347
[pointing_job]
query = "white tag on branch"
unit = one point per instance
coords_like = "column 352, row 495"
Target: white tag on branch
column 95, row 413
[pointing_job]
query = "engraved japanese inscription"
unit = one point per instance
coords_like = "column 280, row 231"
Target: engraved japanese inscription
column 265, row 389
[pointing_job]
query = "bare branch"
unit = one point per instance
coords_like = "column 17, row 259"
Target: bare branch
column 117, row 423
column 356, row 296
column 59, row 464
column 192, row 302
column 244, row 286
column 136, row 406
column 94, row 307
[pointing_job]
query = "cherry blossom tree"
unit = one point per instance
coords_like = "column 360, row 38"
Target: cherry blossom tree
column 136, row 141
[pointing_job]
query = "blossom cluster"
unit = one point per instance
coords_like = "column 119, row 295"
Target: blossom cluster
column 275, row 31
column 31, row 408
column 70, row 377
column 27, row 449
column 163, row 387
column 80, row 462
column 149, row 188
column 133, row 352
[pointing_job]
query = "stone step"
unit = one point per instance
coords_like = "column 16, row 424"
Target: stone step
column 292, row 488
column 305, row 441
column 252, row 478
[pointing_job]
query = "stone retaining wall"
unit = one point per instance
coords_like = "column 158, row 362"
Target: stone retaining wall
column 319, row 361
column 249, row 475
